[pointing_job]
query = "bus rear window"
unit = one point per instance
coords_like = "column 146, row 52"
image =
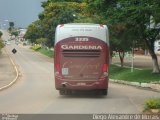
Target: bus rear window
column 81, row 53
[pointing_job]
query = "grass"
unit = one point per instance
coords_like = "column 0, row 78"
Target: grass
column 46, row 52
column 142, row 76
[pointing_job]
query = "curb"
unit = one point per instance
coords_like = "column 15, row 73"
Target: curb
column 17, row 74
column 153, row 86
column 126, row 66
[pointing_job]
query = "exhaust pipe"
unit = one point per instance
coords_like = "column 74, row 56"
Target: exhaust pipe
column 64, row 84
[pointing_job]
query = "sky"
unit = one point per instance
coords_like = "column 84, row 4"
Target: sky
column 21, row 12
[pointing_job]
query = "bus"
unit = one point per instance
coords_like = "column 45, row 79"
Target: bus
column 81, row 58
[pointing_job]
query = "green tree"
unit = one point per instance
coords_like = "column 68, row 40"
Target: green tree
column 1, row 43
column 58, row 13
column 33, row 32
column 101, row 11
column 45, row 3
column 11, row 26
column 121, row 41
column 55, row 12
column 135, row 16
column 41, row 41
column 15, row 33
column 1, row 34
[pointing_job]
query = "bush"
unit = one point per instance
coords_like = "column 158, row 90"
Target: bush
column 1, row 44
column 1, row 34
column 152, row 104
column 36, row 47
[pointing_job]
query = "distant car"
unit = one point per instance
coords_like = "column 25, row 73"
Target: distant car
column 24, row 44
column 5, row 42
column 8, row 43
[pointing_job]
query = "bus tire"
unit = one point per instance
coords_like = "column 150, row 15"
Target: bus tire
column 62, row 92
column 104, row 92
column 69, row 92
column 65, row 92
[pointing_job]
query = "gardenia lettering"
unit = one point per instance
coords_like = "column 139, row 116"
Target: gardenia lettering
column 92, row 47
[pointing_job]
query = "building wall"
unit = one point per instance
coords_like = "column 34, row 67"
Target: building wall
column 157, row 47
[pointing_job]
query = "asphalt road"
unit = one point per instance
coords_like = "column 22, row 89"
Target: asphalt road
column 34, row 92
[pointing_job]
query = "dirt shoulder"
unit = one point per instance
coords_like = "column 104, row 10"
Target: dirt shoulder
column 7, row 70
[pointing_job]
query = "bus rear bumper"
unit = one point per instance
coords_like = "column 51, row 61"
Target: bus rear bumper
column 81, row 85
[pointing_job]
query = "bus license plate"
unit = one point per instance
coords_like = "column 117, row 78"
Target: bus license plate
column 81, row 84
column 65, row 71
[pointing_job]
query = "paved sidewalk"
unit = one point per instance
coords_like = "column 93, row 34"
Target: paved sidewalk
column 139, row 61
column 7, row 71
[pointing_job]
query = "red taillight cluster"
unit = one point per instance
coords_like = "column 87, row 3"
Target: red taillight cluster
column 105, row 72
column 58, row 68
column 105, row 68
column 58, row 71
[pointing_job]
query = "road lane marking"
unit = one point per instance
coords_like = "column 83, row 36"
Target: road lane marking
column 17, row 73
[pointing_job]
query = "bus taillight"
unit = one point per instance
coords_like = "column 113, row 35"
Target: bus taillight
column 105, row 68
column 58, row 68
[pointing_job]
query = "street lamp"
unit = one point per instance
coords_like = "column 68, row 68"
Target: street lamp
column 3, row 24
column 0, row 24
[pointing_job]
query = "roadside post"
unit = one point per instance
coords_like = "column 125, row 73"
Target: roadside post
column 132, row 63
column 130, row 57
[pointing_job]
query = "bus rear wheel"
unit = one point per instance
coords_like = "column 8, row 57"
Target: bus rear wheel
column 100, row 92
column 65, row 92
column 62, row 92
column 104, row 92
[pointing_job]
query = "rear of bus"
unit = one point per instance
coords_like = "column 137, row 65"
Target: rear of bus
column 81, row 58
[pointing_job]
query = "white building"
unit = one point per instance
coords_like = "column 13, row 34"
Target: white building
column 155, row 26
column 157, row 46
column 21, row 34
